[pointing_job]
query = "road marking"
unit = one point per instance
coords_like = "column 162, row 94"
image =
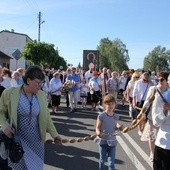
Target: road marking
column 49, row 167
column 130, row 154
column 138, row 149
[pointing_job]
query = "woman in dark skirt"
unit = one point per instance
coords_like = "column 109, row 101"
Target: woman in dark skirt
column 55, row 88
column 95, row 85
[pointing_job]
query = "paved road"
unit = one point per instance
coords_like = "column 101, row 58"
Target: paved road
column 131, row 153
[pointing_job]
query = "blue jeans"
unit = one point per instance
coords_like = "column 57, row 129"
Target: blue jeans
column 107, row 152
column 134, row 113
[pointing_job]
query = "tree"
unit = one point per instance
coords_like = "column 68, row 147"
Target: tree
column 40, row 53
column 59, row 62
column 113, row 54
column 157, row 60
column 79, row 65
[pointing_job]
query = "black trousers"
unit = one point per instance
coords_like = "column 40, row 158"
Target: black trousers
column 67, row 100
column 161, row 159
column 88, row 98
column 3, row 164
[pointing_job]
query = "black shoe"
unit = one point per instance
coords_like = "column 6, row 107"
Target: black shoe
column 75, row 110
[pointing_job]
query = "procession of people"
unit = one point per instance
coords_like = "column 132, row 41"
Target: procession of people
column 42, row 89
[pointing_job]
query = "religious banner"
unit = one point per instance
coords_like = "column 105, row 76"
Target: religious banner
column 90, row 59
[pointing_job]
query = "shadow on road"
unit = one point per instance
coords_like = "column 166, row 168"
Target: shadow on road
column 78, row 156
column 70, row 158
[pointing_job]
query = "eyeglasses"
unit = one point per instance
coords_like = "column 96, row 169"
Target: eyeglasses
column 137, row 77
column 40, row 83
column 161, row 80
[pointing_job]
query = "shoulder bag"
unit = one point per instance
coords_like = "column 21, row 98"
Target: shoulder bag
column 13, row 145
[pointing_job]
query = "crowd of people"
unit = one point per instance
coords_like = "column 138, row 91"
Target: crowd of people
column 90, row 87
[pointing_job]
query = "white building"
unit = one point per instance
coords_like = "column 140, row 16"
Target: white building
column 11, row 41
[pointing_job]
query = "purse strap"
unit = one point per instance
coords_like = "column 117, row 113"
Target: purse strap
column 145, row 91
column 164, row 100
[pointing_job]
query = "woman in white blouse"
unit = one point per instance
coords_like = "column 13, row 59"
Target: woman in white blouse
column 94, row 85
column 161, row 119
column 55, row 88
column 140, row 91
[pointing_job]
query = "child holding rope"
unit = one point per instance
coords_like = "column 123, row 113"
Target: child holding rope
column 106, row 127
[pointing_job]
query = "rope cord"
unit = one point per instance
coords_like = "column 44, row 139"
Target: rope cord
column 123, row 129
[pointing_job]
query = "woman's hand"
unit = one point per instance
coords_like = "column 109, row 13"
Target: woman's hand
column 134, row 104
column 57, row 140
column 120, row 127
column 9, row 132
column 166, row 107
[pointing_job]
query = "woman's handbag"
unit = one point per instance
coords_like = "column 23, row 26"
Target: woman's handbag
column 14, row 147
column 140, row 104
column 11, row 147
column 15, row 151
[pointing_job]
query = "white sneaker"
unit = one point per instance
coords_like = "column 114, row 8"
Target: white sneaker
column 139, row 133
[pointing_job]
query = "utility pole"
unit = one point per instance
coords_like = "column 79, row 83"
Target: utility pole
column 39, row 24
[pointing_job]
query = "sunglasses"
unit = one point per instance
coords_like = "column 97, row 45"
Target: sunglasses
column 137, row 77
column 161, row 80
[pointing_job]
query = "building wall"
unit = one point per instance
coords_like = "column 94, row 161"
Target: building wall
column 11, row 41
column 4, row 62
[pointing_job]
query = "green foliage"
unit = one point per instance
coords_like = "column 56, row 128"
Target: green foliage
column 158, row 59
column 113, row 54
column 59, row 62
column 79, row 65
column 41, row 53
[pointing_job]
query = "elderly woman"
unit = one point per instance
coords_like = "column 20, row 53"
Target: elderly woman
column 113, row 84
column 95, row 85
column 140, row 91
column 15, row 79
column 161, row 119
column 26, row 107
column 55, row 88
column 122, row 85
column 129, row 97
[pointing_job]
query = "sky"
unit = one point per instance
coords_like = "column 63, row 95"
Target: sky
column 77, row 25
